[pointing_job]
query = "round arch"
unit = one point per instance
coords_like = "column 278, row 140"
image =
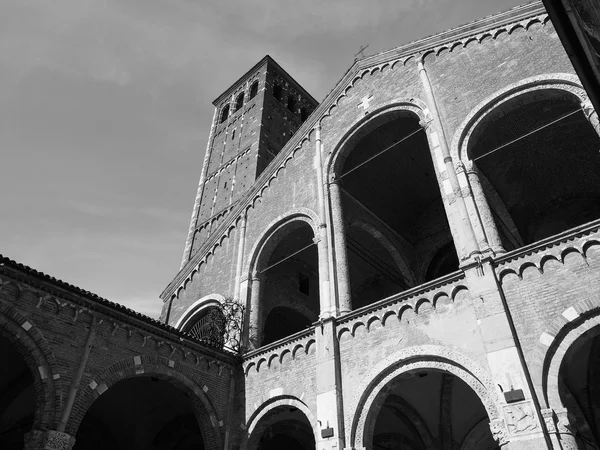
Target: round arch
column 30, row 343
column 410, row 106
column 254, row 427
column 557, row 81
column 196, row 307
column 269, row 237
column 413, row 358
column 203, row 408
column 588, row 322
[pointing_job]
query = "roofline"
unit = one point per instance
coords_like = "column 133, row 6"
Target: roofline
column 420, row 47
column 25, row 274
column 266, row 60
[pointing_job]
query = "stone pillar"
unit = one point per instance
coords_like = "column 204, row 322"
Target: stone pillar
column 472, row 209
column 254, row 313
column 240, row 259
column 330, row 418
column 591, row 114
column 518, row 422
column 340, row 251
column 328, row 308
column 483, row 208
column 48, row 440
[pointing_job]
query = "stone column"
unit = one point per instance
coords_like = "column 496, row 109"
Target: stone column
column 483, row 208
column 563, row 431
column 591, row 114
column 340, row 251
column 48, row 440
column 254, row 313
column 330, row 418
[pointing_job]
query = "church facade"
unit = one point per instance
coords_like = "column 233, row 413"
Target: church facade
column 412, row 263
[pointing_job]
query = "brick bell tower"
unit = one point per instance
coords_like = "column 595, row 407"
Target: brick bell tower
column 252, row 122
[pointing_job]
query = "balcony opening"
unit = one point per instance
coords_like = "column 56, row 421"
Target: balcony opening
column 287, row 271
column 393, row 210
column 538, row 160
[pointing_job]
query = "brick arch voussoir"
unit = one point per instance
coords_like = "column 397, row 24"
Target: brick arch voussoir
column 39, row 358
column 181, row 378
column 562, row 81
column 411, row 105
column 556, row 340
column 255, row 426
column 435, row 357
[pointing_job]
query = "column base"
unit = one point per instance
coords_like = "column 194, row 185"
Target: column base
column 48, row 440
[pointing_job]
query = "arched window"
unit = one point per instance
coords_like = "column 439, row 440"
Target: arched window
column 253, row 89
column 208, row 326
column 239, row 101
column 224, row 113
column 291, row 103
column 303, row 114
column 277, row 92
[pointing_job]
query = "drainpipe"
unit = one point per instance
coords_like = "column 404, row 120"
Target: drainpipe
column 77, row 378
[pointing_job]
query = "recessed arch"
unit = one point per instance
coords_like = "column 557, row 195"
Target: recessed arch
column 283, row 273
column 514, row 146
column 28, row 345
column 274, row 411
column 127, row 371
column 414, row 360
column 382, row 173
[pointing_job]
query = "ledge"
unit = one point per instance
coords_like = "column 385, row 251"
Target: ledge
column 280, row 343
column 404, row 295
column 552, row 241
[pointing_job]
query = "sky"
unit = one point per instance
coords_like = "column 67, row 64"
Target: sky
column 105, row 108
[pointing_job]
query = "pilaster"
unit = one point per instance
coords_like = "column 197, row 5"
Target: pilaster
column 329, row 391
column 520, row 425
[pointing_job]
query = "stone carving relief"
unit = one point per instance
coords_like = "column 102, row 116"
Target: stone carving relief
column 520, row 418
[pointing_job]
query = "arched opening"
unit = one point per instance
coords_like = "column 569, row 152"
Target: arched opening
column 284, row 427
column 443, row 262
column 579, row 388
column 537, row 158
column 253, row 90
column 388, row 180
column 17, row 397
column 291, row 103
column 278, row 92
column 287, row 270
column 207, row 325
column 141, row 412
column 224, row 114
column 239, row 101
column 425, row 409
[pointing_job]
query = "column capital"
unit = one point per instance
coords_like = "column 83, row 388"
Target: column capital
column 499, row 431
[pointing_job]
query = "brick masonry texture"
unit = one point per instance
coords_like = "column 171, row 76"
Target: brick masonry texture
column 501, row 314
